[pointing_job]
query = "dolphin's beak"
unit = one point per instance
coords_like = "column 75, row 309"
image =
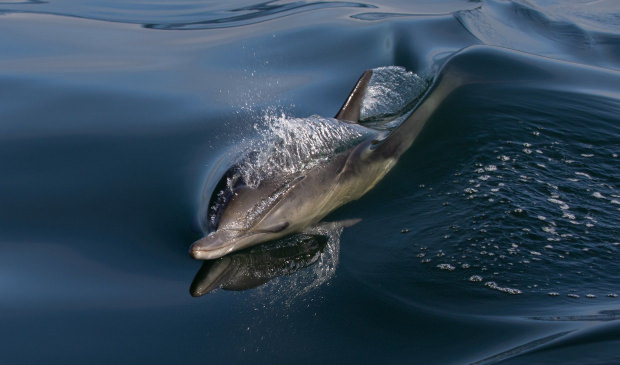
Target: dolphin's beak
column 211, row 276
column 214, row 245
column 223, row 242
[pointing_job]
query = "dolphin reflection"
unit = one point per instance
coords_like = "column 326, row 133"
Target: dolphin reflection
column 257, row 265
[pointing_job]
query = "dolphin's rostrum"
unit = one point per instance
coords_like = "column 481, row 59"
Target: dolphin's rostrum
column 243, row 215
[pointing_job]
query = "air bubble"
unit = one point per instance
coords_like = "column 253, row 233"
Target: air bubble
column 494, row 286
column 446, row 267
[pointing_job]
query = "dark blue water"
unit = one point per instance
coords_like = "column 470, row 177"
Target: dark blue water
column 495, row 239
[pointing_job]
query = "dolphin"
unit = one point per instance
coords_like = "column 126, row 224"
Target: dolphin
column 277, row 208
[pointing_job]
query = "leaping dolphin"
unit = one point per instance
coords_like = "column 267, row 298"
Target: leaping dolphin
column 276, row 208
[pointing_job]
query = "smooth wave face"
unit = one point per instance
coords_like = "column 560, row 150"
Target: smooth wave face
column 494, row 239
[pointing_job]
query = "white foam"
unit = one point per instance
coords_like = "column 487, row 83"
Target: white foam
column 562, row 205
column 494, row 286
column 568, row 215
column 290, row 146
column 446, row 267
column 390, row 91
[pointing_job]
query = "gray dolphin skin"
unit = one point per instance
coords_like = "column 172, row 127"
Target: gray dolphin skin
column 277, row 208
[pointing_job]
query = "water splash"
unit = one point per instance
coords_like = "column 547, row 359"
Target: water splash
column 290, row 146
column 288, row 289
column 391, row 93
column 285, row 147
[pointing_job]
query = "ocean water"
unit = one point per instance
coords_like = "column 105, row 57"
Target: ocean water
column 494, row 240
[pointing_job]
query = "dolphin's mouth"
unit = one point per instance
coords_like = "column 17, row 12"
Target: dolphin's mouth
column 222, row 242
column 213, row 245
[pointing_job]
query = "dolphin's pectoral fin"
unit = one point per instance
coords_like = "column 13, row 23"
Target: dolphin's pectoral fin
column 273, row 229
column 346, row 223
column 351, row 108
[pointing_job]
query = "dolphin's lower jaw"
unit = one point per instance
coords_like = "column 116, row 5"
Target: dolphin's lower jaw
column 222, row 242
column 211, row 276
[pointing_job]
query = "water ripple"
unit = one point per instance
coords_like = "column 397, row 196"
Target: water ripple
column 374, row 16
column 602, row 316
column 256, row 14
column 21, row 2
column 521, row 349
column 186, row 16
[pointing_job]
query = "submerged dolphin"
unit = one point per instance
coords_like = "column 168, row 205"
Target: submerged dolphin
column 276, row 208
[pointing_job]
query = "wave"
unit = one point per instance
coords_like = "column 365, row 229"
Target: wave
column 193, row 15
column 256, row 14
column 290, row 146
column 564, row 31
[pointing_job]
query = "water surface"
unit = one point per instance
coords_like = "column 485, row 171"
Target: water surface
column 495, row 238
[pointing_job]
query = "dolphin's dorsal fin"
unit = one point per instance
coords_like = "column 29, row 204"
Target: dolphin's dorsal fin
column 351, row 108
